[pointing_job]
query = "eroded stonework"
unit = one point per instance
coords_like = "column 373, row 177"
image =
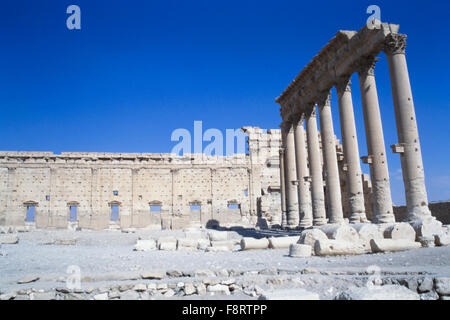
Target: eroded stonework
column 187, row 191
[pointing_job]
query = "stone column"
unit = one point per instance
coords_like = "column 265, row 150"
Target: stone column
column 334, row 197
column 408, row 135
column 315, row 168
column 292, row 215
column 282, row 189
column 351, row 152
column 379, row 172
column 304, row 193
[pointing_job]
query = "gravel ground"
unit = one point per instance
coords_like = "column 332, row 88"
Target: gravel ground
column 108, row 256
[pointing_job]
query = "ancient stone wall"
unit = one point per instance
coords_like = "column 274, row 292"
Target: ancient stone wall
column 188, row 190
column 440, row 210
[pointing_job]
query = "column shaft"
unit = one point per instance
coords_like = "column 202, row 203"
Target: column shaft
column 315, row 167
column 292, row 215
column 304, row 193
column 334, row 197
column 408, row 135
column 282, row 189
column 351, row 152
column 379, row 172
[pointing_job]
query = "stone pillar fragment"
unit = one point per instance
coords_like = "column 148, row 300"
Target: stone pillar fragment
column 351, row 152
column 408, row 135
column 292, row 215
column 333, row 194
column 379, row 172
column 304, row 193
column 315, row 167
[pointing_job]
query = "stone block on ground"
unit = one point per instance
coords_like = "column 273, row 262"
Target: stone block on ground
column 310, row 236
column 300, row 250
column 387, row 292
column 218, row 235
column 202, row 244
column 187, row 243
column 218, row 249
column 442, row 286
column 338, row 248
column 442, row 240
column 101, row 296
column 427, row 242
column 367, row 232
column 223, row 243
column 145, row 245
column 252, row 243
column 342, row 232
column 167, row 246
column 9, row 239
column 391, row 245
column 194, row 234
column 219, row 289
column 282, row 242
column 157, row 275
column 289, row 294
column 399, row 231
column 427, row 228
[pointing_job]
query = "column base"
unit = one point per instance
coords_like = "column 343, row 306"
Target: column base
column 384, row 218
column 427, row 228
column 306, row 224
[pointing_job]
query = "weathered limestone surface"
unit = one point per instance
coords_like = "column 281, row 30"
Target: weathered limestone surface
column 95, row 182
column 289, row 294
column 390, row 245
column 252, row 243
column 338, row 248
column 281, row 242
column 340, row 232
column 300, row 250
column 386, row 292
column 310, row 236
column 400, row 230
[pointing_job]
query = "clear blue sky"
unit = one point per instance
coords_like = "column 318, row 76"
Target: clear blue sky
column 137, row 70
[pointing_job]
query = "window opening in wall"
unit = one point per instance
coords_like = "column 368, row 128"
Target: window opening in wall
column 47, row 198
column 246, row 192
column 73, row 213
column 195, row 207
column 155, row 208
column 233, row 206
column 115, row 213
column 115, row 192
column 31, row 213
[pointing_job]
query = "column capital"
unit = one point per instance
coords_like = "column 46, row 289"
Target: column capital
column 311, row 112
column 324, row 99
column 298, row 118
column 343, row 84
column 395, row 44
column 366, row 65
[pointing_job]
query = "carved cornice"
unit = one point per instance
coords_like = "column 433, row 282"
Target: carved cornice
column 324, row 99
column 366, row 65
column 338, row 58
column 395, row 44
column 343, row 84
column 311, row 112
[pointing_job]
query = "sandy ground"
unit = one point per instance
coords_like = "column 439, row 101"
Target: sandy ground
column 107, row 256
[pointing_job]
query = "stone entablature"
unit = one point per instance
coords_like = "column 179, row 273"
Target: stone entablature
column 339, row 59
column 347, row 53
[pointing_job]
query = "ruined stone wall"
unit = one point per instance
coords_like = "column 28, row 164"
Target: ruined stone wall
column 440, row 210
column 94, row 182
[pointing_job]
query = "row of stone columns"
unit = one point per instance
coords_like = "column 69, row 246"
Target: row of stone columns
column 302, row 187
